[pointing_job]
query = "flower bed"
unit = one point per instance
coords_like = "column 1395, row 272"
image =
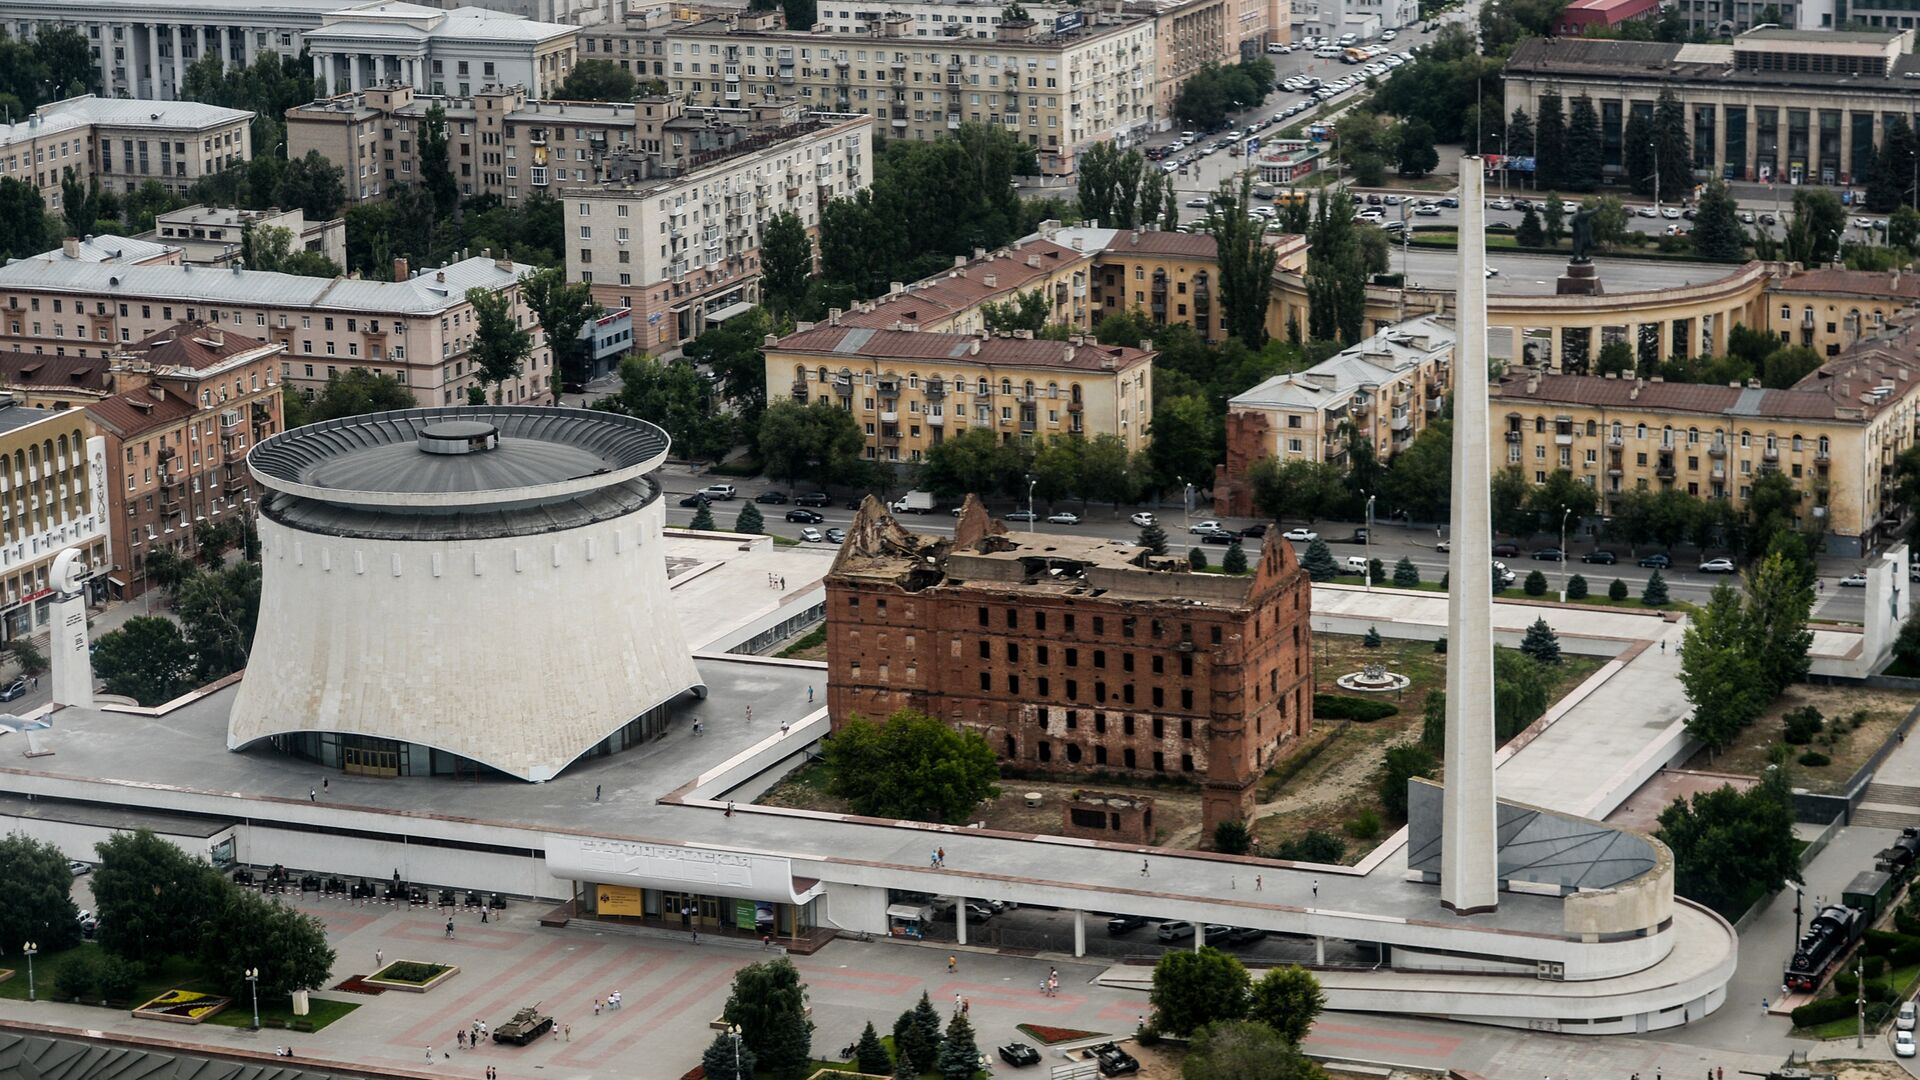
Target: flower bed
column 355, row 984
column 182, row 1007
column 411, row 976
column 1043, row 1033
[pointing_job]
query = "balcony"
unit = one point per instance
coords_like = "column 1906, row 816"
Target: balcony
column 1563, row 438
column 800, row 390
column 1821, row 459
column 935, row 388
column 890, row 435
column 1401, row 422
column 1718, row 450
column 889, row 417
column 936, row 420
column 1616, row 442
column 1074, row 406
column 1665, row 472
column 1026, row 427
column 1771, row 453
column 1433, row 404
column 1513, row 436
column 843, row 385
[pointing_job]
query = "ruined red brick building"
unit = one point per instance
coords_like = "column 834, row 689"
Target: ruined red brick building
column 1074, row 654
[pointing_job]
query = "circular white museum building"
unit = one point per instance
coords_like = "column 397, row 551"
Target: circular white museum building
column 452, row 588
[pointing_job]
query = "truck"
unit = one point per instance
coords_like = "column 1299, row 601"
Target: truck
column 914, row 502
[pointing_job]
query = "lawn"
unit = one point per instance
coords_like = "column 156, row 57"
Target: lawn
column 1846, row 1026
column 1850, row 746
column 811, row 646
column 174, row 973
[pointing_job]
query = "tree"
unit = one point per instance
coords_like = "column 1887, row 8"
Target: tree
column 1403, row 762
column 1541, row 643
column 28, row 655
column 1513, row 511
column 313, row 184
column 1553, row 220
column 1192, row 988
column 769, row 1003
column 1813, row 236
column 500, row 345
column 1154, row 539
column 246, row 927
column 1655, row 593
column 1029, row 311
column 1314, row 846
column 1405, row 574
column 1906, row 646
column 1779, row 603
column 1890, row 184
column 1196, row 559
column 702, row 518
column 1318, row 561
column 596, row 80
column 1522, row 690
column 219, row 609
column 1577, row 587
column 436, row 166
column 1550, row 142
column 1417, row 156
column 959, row 1056
column 354, row 392
column 1717, row 233
column 1723, row 679
column 1617, row 591
column 1730, row 846
column 1286, row 999
column 1584, row 149
column 749, row 520
column 912, row 766
column 1433, row 723
column 786, row 262
column 869, row 1054
column 728, row 1058
column 1246, row 263
column 1421, row 480
column 1232, row 838
column 152, row 897
column 563, row 309
column 1529, row 234
column 79, row 207
column 24, row 227
column 1336, row 278
column 1235, row 560
column 1616, row 358
column 676, row 397
column 1303, row 489
column 146, row 660
column 1186, row 440
column 1903, row 229
column 35, row 900
column 1245, row 1050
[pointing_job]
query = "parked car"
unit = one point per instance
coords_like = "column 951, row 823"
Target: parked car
column 1117, row 1062
column 804, row 517
column 1219, row 536
column 1204, row 526
column 813, row 498
column 1245, row 935
column 1426, row 210
column 1122, row 924
column 1506, row 551
column 1063, row 518
column 698, row 498
column 1021, row 515
column 771, row 498
column 1443, row 546
column 1717, row 566
column 718, row 492
column 15, row 689
column 1174, row 930
column 1549, row 554
column 1142, row 518
column 1657, row 561
column 1301, row 536
column 1904, row 1020
column 1018, row 1054
column 1603, row 557
column 1902, row 1043
column 812, row 536
column 1671, row 213
column 1855, row 581
column 81, row 869
column 1255, row 531
column 836, row 536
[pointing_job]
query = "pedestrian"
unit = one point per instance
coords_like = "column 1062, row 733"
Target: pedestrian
column 1143, row 868
column 749, row 714
column 596, row 793
column 809, row 695
column 379, row 959
column 1256, row 883
column 933, row 859
column 449, row 927
column 956, row 1001
column 729, row 807
column 313, row 795
column 429, row 1055
column 942, row 852
column 696, row 937
column 952, row 964
column 460, row 1038
column 1233, row 884
column 1316, row 888
column 483, row 914
column 569, row 1032
column 1663, row 645
column 966, row 1006
column 326, row 784
column 783, row 729
column 596, row 1006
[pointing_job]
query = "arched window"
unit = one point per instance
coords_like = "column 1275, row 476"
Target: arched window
column 1006, row 386
column 982, row 390
column 1075, row 391
column 1593, row 428
column 1053, row 390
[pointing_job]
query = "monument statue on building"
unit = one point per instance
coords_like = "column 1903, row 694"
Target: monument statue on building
column 1582, row 235
column 1582, row 277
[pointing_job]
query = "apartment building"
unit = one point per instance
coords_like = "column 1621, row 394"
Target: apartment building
column 52, row 497
column 123, row 144
column 1059, row 89
column 911, row 389
column 672, row 232
column 418, row 328
column 1386, row 389
column 1828, row 310
column 212, row 235
column 390, row 42
column 187, row 404
column 1075, row 655
column 1835, row 434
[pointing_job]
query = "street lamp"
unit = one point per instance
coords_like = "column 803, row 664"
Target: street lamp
column 1366, row 572
column 1656, row 175
column 1186, row 508
column 1565, row 513
column 1031, row 483
column 32, row 949
column 733, row 1030
column 253, row 980
column 1860, row 1002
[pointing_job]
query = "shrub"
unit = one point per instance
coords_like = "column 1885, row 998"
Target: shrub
column 1148, row 1035
column 1364, row 826
column 1377, row 572
column 1813, row 759
column 1536, row 584
column 1577, row 587
column 1446, row 579
column 116, row 978
column 1440, row 644
column 1315, row 846
column 1617, row 590
column 1405, row 574
column 1197, row 559
column 1802, row 725
column 1655, row 594
column 749, row 520
column 1232, row 838
column 1815, row 1013
column 1372, row 640
column 79, row 976
column 1342, row 707
column 1235, row 560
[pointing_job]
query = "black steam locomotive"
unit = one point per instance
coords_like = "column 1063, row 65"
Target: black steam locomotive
column 1834, row 929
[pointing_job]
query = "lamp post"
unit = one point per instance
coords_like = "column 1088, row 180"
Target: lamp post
column 1860, row 1003
column 1186, row 509
column 253, row 981
column 1031, row 484
column 1366, row 572
column 1656, row 175
column 733, row 1031
column 31, row 949
column 1565, row 513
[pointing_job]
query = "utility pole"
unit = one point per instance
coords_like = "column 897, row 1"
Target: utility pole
column 1860, row 1002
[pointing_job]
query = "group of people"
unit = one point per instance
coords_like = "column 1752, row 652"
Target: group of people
column 1050, row 986
column 938, row 858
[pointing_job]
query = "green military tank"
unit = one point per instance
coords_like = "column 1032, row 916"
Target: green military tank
column 527, row 1025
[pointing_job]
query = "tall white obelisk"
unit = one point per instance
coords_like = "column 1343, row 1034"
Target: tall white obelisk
column 72, row 661
column 1469, row 869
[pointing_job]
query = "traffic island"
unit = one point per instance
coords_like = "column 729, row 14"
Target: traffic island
column 411, row 976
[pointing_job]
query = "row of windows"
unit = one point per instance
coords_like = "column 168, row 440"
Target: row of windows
column 1618, row 430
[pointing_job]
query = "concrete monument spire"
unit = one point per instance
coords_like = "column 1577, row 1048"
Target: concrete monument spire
column 1469, row 874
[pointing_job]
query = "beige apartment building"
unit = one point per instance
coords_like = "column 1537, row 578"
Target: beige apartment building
column 53, row 496
column 673, row 230
column 1058, row 91
column 418, row 328
column 212, row 235
column 123, row 144
column 910, row 389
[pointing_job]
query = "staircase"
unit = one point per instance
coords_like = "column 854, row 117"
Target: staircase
column 1888, row 806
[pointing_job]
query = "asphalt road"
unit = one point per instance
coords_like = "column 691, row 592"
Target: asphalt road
column 1390, row 543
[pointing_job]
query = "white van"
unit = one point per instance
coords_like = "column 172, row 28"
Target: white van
column 1327, row 52
column 1357, row 564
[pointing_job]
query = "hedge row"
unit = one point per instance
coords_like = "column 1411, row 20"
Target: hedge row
column 1819, row 1012
column 1342, row 707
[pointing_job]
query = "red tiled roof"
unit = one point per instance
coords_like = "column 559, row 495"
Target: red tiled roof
column 130, row 414
column 1155, row 242
column 1842, row 389
column 1871, row 284
column 36, row 370
column 869, row 343
column 938, row 297
column 194, row 346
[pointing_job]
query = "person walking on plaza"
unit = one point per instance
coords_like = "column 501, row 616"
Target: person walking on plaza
column 953, row 965
column 379, row 959
column 449, row 927
column 429, row 1055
